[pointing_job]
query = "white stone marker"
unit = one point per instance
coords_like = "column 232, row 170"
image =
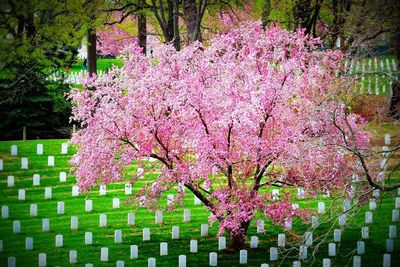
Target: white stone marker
column 75, row 191
column 74, row 223
column 151, row 262
column 360, row 247
column 47, row 193
column 303, row 252
column 397, row 203
column 342, row 219
column 170, row 199
column 273, row 254
column 50, row 161
column 314, row 222
column 120, row 264
column 131, row 218
column 16, row 227
column 14, row 150
column 64, row 148
column 376, row 193
column 33, row 210
column 21, row 194
column 260, row 226
column 288, row 224
column 221, row 243
column 134, row 252
column 386, row 260
column 24, row 163
column 73, row 256
column 275, row 194
column 115, row 203
column 300, row 192
column 326, row 263
column 321, row 207
column 182, row 261
column 88, row 265
column 103, row 190
column 296, row 264
column 59, row 241
column 88, row 238
column 117, row 236
column 39, row 149
column 1, row 165
column 10, row 181
column 213, row 259
column 60, row 208
column 36, row 180
column 308, row 238
column 389, row 245
column 104, row 254
column 88, row 205
column 337, row 235
column 368, row 217
column 204, row 230
column 140, row 173
column 187, row 213
column 128, row 189
column 163, row 249
column 4, row 212
column 42, row 260
column 159, row 218
column 254, row 242
column 243, row 256
column 264, row 265
column 197, row 201
column 395, row 215
column 146, row 234
column 45, row 225
column 372, row 204
column 11, row 262
column 103, row 220
column 392, row 231
column 193, row 246
column 175, row 232
column 387, row 139
column 357, row 261
column 281, row 240
column 364, row 233
column 63, row 177
column 347, row 205
column 331, row 249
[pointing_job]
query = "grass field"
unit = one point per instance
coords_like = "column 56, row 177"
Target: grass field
column 14, row 244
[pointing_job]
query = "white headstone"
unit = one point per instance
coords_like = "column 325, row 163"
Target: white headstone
column 186, row 215
column 117, row 236
column 11, row 261
column 297, row 264
column 273, row 254
column 170, row 199
column 47, row 193
column 308, row 238
column 59, row 241
column 151, row 262
column 128, row 189
column 60, row 208
column 275, row 194
column 134, row 252
column 42, row 260
column 4, row 212
column 115, row 203
column 314, row 222
column 163, row 249
column 63, row 177
column 288, row 223
column 300, row 192
column 193, row 246
column 326, row 263
column 347, row 205
column 39, row 149
column 204, row 230
column 368, row 217
column 21, row 194
column 221, row 243
column 213, row 259
column 103, row 220
column 159, row 217
column 1, row 165
column 395, row 215
column 45, row 225
column 16, row 227
column 342, row 219
column 36, row 180
column 24, row 163
column 264, row 265
column 175, row 232
column 393, row 231
column 75, row 191
column 146, row 234
column 376, row 192
column 64, row 148
column 321, row 207
column 254, row 242
column 281, row 240
column 331, row 249
column 357, row 261
column 88, row 238
column 360, row 247
column 14, row 150
column 103, row 190
column 104, row 254
column 131, row 218
column 303, row 252
column 372, row 204
column 50, row 161
column 386, row 260
column 364, row 233
column 260, row 226
column 197, row 201
column 387, row 139
column 337, row 235
column 73, row 256
column 74, row 223
column 10, row 181
column 120, row 263
column 33, row 210
column 88, row 205
column 243, row 256
column 389, row 245
column 182, row 261
column 28, row 243
column 397, row 203
column 140, row 173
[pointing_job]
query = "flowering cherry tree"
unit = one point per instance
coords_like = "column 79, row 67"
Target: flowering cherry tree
column 252, row 110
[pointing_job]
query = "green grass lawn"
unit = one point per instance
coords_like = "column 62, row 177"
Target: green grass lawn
column 14, row 244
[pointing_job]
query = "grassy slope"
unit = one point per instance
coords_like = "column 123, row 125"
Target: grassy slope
column 14, row 244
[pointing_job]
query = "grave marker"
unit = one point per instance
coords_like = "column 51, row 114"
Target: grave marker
column 104, row 254
column 243, row 256
column 45, row 225
column 16, row 227
column 63, row 177
column 332, row 250
column 88, row 238
column 4, row 212
column 146, row 234
column 21, row 194
column 50, row 161
column 193, row 246
column 60, row 208
column 42, row 260
column 103, row 220
column 73, row 256
column 273, row 254
column 221, row 243
column 33, row 210
column 10, row 181
column 175, row 232
column 213, row 259
column 39, row 149
column 131, row 218
column 88, row 205
column 163, row 249
column 182, row 261
column 134, row 252
column 59, row 241
column 74, row 223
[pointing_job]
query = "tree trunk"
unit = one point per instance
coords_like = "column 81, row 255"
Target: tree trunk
column 142, row 30
column 192, row 20
column 266, row 9
column 175, row 14
column 238, row 241
column 394, row 109
column 92, row 52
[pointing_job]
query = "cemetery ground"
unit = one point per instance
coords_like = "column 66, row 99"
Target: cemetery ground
column 13, row 244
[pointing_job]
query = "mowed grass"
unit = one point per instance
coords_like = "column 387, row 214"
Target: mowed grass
column 14, row 244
